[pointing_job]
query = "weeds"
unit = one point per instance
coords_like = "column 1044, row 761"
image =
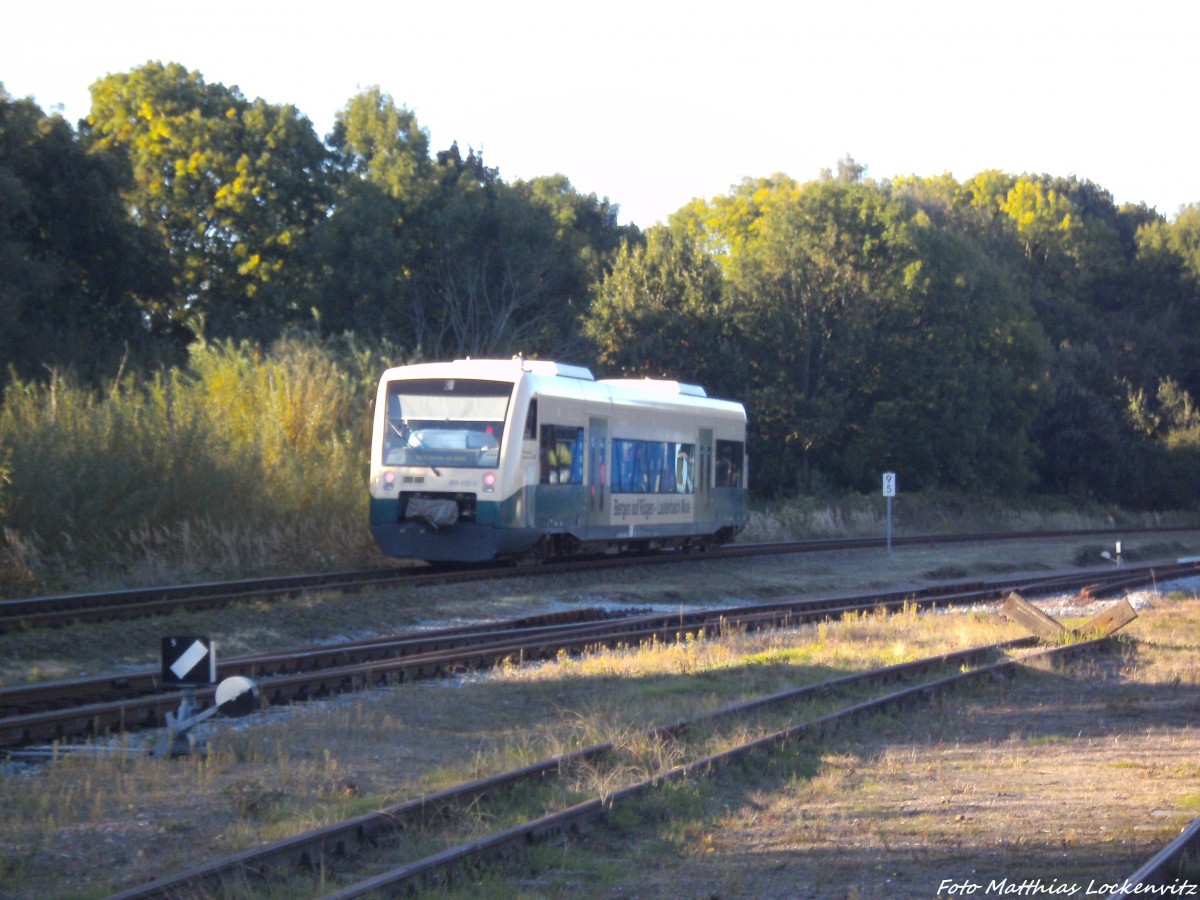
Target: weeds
column 244, row 461
column 936, row 512
column 328, row 760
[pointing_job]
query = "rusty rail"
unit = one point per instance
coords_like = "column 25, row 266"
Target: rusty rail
column 1164, row 867
column 49, row 611
column 322, row 848
column 324, row 672
column 325, row 846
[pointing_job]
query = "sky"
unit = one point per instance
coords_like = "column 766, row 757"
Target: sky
column 652, row 103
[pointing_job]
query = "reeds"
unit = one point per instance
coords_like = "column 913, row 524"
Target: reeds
column 244, row 460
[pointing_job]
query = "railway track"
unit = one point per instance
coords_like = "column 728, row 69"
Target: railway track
column 1166, row 866
column 88, row 708
column 335, row 850
column 64, row 609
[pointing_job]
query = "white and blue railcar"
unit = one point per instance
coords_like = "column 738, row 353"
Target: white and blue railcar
column 477, row 459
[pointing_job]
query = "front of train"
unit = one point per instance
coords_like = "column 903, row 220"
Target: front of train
column 446, row 462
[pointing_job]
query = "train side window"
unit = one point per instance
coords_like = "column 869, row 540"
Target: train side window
column 730, row 456
column 652, row 467
column 685, row 463
column 531, row 421
column 561, row 454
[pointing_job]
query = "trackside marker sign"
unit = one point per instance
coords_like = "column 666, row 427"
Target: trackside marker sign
column 889, row 491
column 192, row 655
column 188, row 660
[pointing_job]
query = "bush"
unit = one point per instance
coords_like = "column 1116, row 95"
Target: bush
column 244, row 459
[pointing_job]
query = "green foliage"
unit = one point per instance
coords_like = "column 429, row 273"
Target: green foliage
column 359, row 259
column 961, row 369
column 1183, row 237
column 232, row 186
column 383, row 144
column 659, row 313
column 77, row 277
column 870, row 336
column 586, row 240
column 481, row 286
column 444, row 256
column 1006, row 333
column 255, row 441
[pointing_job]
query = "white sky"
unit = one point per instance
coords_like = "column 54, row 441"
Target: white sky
column 654, row 102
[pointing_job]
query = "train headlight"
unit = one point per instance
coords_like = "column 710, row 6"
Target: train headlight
column 389, row 481
column 489, row 482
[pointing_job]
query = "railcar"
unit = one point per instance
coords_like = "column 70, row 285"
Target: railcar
column 473, row 460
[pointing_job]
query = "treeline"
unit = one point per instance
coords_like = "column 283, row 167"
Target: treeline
column 1007, row 334
column 180, row 209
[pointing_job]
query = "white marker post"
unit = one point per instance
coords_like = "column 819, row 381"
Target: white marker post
column 889, row 491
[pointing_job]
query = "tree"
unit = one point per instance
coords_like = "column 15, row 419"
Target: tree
column 848, row 171
column 357, row 265
column 659, row 314
column 361, row 258
column 804, row 289
column 484, row 275
column 872, row 334
column 78, row 278
column 1183, row 236
column 232, row 186
column 444, row 256
column 962, row 367
column 587, row 239
column 382, row 143
column 1166, row 270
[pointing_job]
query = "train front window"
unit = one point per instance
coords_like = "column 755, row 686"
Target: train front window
column 445, row 422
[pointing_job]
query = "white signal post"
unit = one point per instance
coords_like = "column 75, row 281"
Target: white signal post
column 889, row 491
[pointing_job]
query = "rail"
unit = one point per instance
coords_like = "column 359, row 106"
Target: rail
column 325, row 848
column 69, row 712
column 63, row 609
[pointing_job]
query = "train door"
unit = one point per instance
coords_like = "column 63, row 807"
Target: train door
column 704, row 475
column 597, row 471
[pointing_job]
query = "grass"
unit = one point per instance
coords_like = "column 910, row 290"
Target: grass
column 286, row 773
column 277, row 777
column 250, row 462
column 936, row 512
column 244, row 462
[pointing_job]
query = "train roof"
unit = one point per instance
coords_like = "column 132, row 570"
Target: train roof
column 497, row 369
column 561, row 379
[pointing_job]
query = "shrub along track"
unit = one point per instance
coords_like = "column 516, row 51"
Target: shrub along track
column 337, row 852
column 72, row 710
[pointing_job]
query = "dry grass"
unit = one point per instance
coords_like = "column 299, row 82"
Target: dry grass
column 932, row 512
column 328, row 760
column 1072, row 777
column 855, row 641
column 259, row 626
column 71, row 828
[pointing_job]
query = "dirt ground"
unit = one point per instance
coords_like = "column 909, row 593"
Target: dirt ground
column 1052, row 783
column 1072, row 777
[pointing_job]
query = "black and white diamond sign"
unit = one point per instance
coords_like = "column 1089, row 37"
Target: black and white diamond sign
column 188, row 660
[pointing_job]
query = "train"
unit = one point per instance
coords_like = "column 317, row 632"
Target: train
column 475, row 460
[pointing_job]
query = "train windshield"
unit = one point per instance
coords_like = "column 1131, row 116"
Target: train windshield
column 445, row 422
